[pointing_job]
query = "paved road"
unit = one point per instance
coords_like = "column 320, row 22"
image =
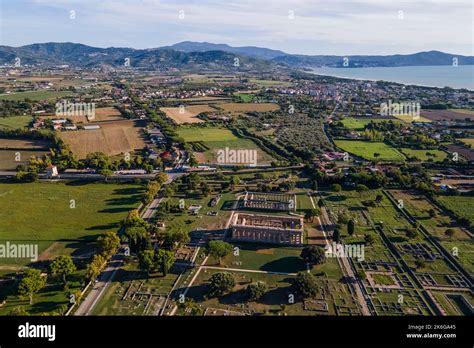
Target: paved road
column 105, row 278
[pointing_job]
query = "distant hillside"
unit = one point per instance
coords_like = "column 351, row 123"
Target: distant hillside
column 207, row 56
column 249, row 51
column 50, row 54
column 295, row 60
column 416, row 59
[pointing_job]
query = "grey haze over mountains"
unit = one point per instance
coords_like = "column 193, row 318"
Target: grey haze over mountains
column 208, row 56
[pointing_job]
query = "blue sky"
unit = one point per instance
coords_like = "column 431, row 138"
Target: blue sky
column 295, row 26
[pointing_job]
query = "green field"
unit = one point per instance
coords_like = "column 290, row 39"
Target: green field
column 468, row 141
column 216, row 138
column 424, row 155
column 360, row 123
column 366, row 150
column 43, row 213
column 15, row 122
column 245, row 97
column 36, row 95
column 461, row 205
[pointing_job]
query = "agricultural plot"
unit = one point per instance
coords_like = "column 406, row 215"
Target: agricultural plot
column 448, row 115
column 206, row 141
column 412, row 118
column 36, row 95
column 106, row 114
column 11, row 159
column 425, row 155
column 14, row 152
column 360, row 123
column 187, row 114
column 467, row 141
column 368, row 150
column 248, row 107
column 269, row 83
column 462, row 151
column 15, row 122
column 76, row 215
column 113, row 138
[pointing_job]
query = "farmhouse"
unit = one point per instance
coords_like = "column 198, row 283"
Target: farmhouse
column 267, row 229
column 269, row 201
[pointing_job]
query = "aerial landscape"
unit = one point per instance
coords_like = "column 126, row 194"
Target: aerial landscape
column 179, row 177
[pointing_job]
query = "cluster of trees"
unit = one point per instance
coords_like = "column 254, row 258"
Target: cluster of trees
column 159, row 260
column 33, row 280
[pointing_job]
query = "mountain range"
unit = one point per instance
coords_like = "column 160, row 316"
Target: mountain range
column 209, row 56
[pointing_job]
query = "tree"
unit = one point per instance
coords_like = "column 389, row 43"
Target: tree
column 320, row 203
column 95, row 267
column 306, row 285
column 432, row 213
column 219, row 249
column 106, row 173
column 161, row 177
column 256, row 290
column 449, row 232
column 361, row 188
column 336, row 235
column 173, row 240
column 378, row 198
column 311, row 214
column 336, row 188
column 62, row 266
column 369, row 239
column 234, row 180
column 108, row 244
column 146, row 260
column 163, row 260
column 221, row 283
column 351, row 227
column 31, row 283
column 419, row 264
column 138, row 239
column 411, row 233
column 314, row 255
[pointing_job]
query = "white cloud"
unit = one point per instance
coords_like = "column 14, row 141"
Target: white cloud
column 319, row 27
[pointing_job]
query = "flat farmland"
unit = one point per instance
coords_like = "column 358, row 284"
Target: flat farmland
column 360, row 123
column 366, row 150
column 15, row 122
column 248, row 107
column 425, row 155
column 187, row 114
column 467, row 141
column 23, row 144
column 215, row 138
column 113, row 138
column 106, row 114
column 8, row 158
column 448, row 115
column 42, row 213
column 36, row 95
column 461, row 150
column 411, row 118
